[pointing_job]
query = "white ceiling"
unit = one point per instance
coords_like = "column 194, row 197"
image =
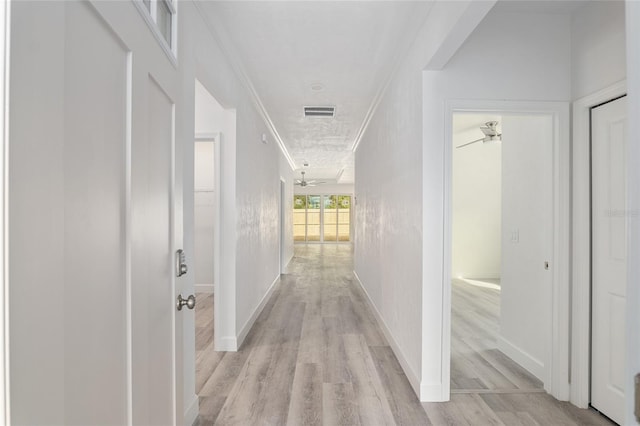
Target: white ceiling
column 347, row 48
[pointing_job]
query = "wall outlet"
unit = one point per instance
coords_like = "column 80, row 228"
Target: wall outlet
column 515, row 236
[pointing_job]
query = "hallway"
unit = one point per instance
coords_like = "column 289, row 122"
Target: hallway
column 317, row 356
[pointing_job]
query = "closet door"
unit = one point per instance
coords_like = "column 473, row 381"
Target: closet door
column 609, row 257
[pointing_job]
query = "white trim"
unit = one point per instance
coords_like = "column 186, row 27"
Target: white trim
column 414, row 378
column 207, row 137
column 5, row 33
column 556, row 377
column 227, row 344
column 191, row 412
column 281, row 222
column 581, row 244
column 168, row 50
column 129, row 237
column 521, row 357
column 204, row 288
column 433, row 392
column 177, row 331
column 254, row 316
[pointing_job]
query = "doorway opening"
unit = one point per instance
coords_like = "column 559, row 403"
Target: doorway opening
column 502, row 246
column 209, row 127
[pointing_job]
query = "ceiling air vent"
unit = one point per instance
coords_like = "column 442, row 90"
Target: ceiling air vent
column 319, row 111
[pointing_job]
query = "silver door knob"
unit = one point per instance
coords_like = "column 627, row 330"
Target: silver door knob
column 189, row 302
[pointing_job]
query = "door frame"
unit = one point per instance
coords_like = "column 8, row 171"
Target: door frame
column 556, row 380
column 281, row 224
column 581, row 244
column 216, row 139
column 5, row 24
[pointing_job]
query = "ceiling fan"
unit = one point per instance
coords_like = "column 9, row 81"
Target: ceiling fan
column 490, row 130
column 304, row 183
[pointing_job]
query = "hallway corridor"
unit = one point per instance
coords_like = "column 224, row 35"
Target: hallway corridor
column 316, row 356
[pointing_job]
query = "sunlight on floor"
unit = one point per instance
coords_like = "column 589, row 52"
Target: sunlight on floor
column 482, row 284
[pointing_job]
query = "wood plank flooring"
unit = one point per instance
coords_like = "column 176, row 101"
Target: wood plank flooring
column 476, row 363
column 316, row 356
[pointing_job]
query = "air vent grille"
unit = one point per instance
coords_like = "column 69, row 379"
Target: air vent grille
column 319, row 111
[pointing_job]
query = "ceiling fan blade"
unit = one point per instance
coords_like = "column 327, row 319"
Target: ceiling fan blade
column 469, row 143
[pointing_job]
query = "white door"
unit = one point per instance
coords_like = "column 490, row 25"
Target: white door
column 94, row 226
column 153, row 271
column 609, row 257
column 92, row 326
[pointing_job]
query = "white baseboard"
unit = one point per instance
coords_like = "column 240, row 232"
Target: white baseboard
column 414, row 379
column 525, row 360
column 432, row 392
column 477, row 275
column 252, row 319
column 226, row 344
column 191, row 413
column 203, row 288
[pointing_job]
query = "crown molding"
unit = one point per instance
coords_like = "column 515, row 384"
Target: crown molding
column 219, row 34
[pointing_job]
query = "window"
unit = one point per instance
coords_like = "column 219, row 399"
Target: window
column 160, row 15
column 322, row 218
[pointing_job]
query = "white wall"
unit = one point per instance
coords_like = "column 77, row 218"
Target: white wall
column 476, row 200
column 633, row 191
column 510, row 56
column 389, row 166
column 598, row 56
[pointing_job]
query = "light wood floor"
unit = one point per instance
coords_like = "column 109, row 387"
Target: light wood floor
column 316, row 356
column 476, row 363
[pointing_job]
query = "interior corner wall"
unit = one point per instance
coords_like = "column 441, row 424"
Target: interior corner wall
column 531, row 61
column 476, row 203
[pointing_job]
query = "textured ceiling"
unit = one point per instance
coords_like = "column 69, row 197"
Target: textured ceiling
column 345, row 50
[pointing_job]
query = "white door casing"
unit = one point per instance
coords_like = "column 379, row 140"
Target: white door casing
column 609, row 257
column 556, row 367
column 5, row 19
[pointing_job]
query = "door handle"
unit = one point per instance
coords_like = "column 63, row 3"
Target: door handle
column 189, row 302
column 181, row 264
